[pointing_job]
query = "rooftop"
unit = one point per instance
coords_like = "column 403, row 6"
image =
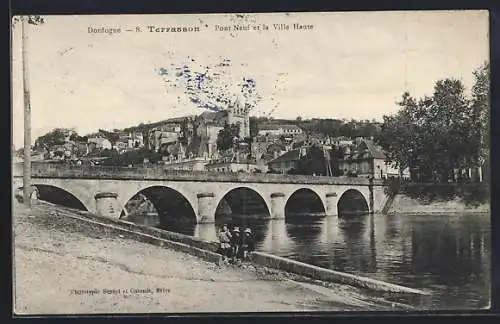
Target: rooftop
column 368, row 149
column 292, row 155
column 97, row 140
column 374, row 150
column 277, row 126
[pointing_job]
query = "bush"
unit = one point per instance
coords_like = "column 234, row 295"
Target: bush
column 134, row 157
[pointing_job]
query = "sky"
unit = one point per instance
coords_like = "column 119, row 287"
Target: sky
column 349, row 65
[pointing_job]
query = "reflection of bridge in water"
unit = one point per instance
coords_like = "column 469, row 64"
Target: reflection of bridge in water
column 447, row 255
column 201, row 197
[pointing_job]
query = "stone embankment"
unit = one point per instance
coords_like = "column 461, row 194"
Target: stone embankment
column 437, row 198
column 65, row 265
column 403, row 204
column 207, row 251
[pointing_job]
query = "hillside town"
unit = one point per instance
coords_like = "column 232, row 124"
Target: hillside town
column 222, row 141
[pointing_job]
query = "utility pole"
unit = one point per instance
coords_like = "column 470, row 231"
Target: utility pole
column 27, row 116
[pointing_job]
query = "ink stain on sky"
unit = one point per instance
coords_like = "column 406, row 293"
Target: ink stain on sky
column 217, row 85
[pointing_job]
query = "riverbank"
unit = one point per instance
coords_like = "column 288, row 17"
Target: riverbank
column 436, row 198
column 64, row 267
column 403, row 204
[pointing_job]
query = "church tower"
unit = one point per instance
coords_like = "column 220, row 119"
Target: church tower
column 238, row 113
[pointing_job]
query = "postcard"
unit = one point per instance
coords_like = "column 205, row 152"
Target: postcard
column 270, row 162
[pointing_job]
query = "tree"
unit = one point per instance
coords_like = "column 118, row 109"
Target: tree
column 336, row 155
column 480, row 105
column 449, row 119
column 52, row 138
column 312, row 163
column 399, row 137
column 226, row 136
column 77, row 138
column 134, row 157
column 432, row 136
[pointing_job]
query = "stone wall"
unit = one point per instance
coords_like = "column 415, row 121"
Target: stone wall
column 420, row 198
column 159, row 173
column 314, row 272
column 175, row 241
column 402, row 204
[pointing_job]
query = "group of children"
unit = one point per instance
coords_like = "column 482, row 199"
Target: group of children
column 235, row 245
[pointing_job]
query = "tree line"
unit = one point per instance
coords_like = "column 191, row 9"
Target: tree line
column 326, row 126
column 436, row 136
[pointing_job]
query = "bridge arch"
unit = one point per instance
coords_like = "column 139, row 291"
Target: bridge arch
column 241, row 201
column 158, row 206
column 304, row 201
column 60, row 196
column 352, row 201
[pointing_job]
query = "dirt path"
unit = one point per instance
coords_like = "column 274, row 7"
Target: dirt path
column 62, row 268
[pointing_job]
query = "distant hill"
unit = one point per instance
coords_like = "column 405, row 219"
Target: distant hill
column 142, row 127
column 325, row 126
column 328, row 126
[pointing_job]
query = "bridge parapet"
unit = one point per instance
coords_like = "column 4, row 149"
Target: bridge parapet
column 48, row 170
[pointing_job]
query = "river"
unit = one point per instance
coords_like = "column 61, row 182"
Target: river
column 448, row 255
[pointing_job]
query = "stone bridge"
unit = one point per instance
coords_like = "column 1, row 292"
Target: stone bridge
column 106, row 190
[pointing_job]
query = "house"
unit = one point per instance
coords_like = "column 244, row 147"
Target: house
column 173, row 152
column 99, row 143
column 366, row 159
column 120, row 146
column 227, row 166
column 171, row 127
column 272, row 151
column 343, row 142
column 159, row 138
column 136, row 140
column 278, row 130
column 286, row 162
column 80, row 148
column 195, row 164
column 37, row 156
column 130, row 140
column 208, row 127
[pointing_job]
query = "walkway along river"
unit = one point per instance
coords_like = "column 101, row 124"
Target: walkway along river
column 448, row 255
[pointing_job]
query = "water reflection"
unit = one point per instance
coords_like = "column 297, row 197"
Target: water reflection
column 207, row 232
column 330, row 231
column 277, row 238
column 448, row 255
